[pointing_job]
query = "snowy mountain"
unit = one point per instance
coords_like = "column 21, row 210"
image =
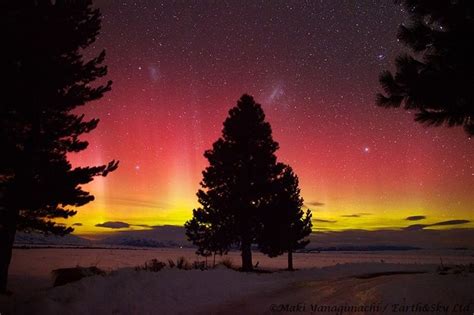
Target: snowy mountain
column 157, row 236
column 23, row 238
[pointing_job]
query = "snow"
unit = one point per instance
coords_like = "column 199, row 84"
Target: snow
column 171, row 291
column 323, row 278
column 131, row 292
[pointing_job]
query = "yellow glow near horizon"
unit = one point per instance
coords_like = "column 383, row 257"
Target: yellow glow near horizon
column 334, row 215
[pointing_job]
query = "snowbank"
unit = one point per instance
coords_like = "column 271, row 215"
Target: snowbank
column 141, row 292
column 172, row 291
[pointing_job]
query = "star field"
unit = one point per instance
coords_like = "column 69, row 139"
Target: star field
column 178, row 67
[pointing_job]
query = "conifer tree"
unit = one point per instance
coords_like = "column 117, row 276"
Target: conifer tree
column 435, row 80
column 210, row 240
column 46, row 79
column 285, row 224
column 236, row 185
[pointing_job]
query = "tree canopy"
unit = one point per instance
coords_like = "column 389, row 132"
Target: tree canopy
column 247, row 197
column 46, row 80
column 285, row 225
column 435, row 80
column 237, row 183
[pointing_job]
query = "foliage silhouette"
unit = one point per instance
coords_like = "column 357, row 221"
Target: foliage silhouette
column 47, row 79
column 64, row 276
column 237, row 184
column 210, row 240
column 285, row 225
column 435, row 81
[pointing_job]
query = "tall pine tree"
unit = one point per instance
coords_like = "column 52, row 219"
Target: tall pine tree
column 236, row 185
column 45, row 80
column 285, row 224
column 435, row 81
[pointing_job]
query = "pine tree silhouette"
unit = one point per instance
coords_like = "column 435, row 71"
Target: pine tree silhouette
column 210, row 240
column 436, row 80
column 236, row 185
column 285, row 225
column 46, row 79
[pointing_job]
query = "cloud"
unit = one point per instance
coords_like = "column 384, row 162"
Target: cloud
column 113, row 225
column 130, row 202
column 416, row 218
column 355, row 215
column 143, row 225
column 315, row 203
column 451, row 222
column 416, row 227
column 323, row 221
column 77, row 224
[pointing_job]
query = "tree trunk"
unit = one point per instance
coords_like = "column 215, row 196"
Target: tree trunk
column 7, row 237
column 290, row 259
column 246, row 256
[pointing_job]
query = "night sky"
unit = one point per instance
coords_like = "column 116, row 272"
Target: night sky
column 178, row 67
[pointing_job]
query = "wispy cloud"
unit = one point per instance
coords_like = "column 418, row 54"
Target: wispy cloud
column 451, row 222
column 315, row 203
column 416, row 227
column 323, row 221
column 416, row 218
column 355, row 215
column 141, row 203
column 143, row 225
column 113, row 225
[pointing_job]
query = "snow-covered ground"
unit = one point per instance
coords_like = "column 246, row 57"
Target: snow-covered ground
column 323, row 279
column 31, row 268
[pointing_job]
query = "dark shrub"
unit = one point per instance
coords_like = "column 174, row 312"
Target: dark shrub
column 153, row 265
column 182, row 263
column 201, row 265
column 64, row 276
column 171, row 263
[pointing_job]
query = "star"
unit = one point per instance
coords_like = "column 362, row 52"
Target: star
column 173, row 90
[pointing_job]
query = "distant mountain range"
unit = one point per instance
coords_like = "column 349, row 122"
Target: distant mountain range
column 357, row 248
column 22, row 238
column 157, row 236
column 168, row 236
